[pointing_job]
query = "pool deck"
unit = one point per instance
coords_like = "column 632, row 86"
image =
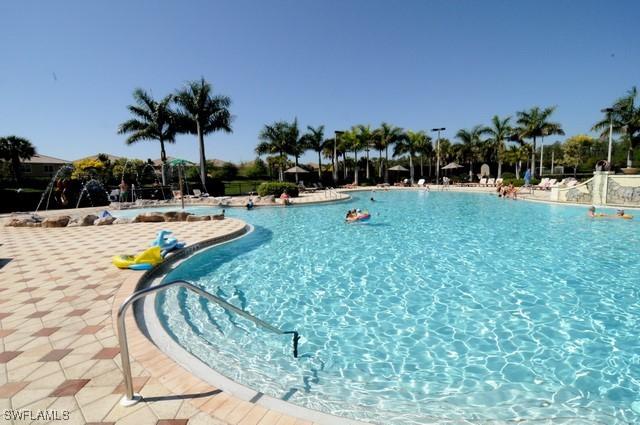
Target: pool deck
column 58, row 345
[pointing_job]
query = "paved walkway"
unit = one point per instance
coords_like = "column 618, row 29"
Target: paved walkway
column 58, row 347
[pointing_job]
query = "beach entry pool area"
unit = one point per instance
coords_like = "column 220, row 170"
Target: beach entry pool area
column 443, row 307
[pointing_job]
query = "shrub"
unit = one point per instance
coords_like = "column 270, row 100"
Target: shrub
column 508, row 175
column 518, row 182
column 276, row 189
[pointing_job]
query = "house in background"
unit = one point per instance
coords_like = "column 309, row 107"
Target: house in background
column 40, row 166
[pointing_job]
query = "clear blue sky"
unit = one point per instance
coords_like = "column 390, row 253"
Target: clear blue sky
column 69, row 67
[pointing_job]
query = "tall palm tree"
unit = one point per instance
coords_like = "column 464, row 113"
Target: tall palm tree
column 154, row 120
column 275, row 139
column 471, row 144
column 365, row 134
column 423, row 147
column 535, row 123
column 16, row 149
column 314, row 140
column 387, row 135
column 499, row 131
column 410, row 144
column 297, row 144
column 203, row 113
column 625, row 117
column 355, row 142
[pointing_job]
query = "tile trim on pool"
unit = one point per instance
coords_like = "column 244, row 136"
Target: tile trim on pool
column 179, row 370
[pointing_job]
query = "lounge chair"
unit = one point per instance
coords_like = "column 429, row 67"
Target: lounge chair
column 499, row 181
column 491, row 182
column 196, row 193
column 176, row 194
column 114, row 196
column 542, row 185
column 482, row 182
column 304, row 188
column 421, row 183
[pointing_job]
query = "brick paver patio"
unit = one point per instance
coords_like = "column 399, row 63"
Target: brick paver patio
column 58, row 347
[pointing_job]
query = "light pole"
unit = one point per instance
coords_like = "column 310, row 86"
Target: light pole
column 335, row 155
column 438, row 153
column 610, row 112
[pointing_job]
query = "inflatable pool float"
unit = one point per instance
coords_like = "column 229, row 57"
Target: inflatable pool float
column 361, row 216
column 166, row 243
column 147, row 259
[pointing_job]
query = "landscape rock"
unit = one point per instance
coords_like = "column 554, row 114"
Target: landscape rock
column 149, row 218
column 122, row 220
column 176, row 215
column 56, row 221
column 198, row 218
column 29, row 221
column 87, row 220
column 217, row 217
column 105, row 221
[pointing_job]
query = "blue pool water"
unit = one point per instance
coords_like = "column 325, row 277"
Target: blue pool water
column 445, row 306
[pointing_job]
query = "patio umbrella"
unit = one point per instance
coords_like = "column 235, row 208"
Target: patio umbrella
column 451, row 166
column 398, row 168
column 180, row 163
column 296, row 170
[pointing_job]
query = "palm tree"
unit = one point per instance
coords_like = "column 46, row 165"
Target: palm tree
column 625, row 117
column 410, row 144
column 202, row 113
column 153, row 121
column 16, row 149
column 296, row 143
column 274, row 139
column 471, row 145
column 366, row 136
column 423, row 147
column 387, row 135
column 535, row 123
column 314, row 140
column 499, row 131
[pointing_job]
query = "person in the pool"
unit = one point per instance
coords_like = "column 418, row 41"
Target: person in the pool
column 373, row 200
column 250, row 204
column 591, row 212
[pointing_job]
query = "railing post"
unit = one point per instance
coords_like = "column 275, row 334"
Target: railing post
column 130, row 398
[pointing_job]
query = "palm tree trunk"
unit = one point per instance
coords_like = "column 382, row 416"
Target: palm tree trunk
column 379, row 163
column 355, row 172
column 344, row 165
column 296, row 168
column 280, row 170
column 499, row 168
column 411, row 168
column 203, row 165
column 429, row 165
column 421, row 166
column 368, row 163
column 16, row 167
column 386, row 164
column 533, row 159
column 320, row 165
column 518, row 166
column 163, row 158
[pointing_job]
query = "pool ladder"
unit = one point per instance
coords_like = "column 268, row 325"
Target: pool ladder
column 130, row 398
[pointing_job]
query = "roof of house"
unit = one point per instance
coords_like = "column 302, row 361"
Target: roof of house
column 108, row 155
column 44, row 159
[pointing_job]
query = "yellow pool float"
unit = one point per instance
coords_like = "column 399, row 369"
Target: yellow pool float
column 146, row 260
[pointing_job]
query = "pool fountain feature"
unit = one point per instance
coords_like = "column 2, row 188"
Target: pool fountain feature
column 67, row 168
column 86, row 189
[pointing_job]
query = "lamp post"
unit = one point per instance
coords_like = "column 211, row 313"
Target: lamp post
column 609, row 111
column 438, row 153
column 335, row 155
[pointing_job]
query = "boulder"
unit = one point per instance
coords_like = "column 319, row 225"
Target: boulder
column 122, row 220
column 150, row 217
column 24, row 222
column 176, row 215
column 56, row 221
column 198, row 218
column 105, row 221
column 217, row 217
column 87, row 220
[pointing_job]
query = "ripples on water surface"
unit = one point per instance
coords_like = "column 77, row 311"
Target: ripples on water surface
column 443, row 307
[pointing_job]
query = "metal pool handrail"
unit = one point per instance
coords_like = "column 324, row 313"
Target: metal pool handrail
column 130, row 398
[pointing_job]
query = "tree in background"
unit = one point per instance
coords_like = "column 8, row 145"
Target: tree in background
column 470, row 150
column 499, row 131
column 625, row 117
column 385, row 136
column 410, row 144
column 275, row 139
column 154, row 120
column 365, row 134
column 257, row 169
column 314, row 140
column 535, row 123
column 14, row 149
column 575, row 149
column 201, row 113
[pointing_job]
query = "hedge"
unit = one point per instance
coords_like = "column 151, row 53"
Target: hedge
column 277, row 188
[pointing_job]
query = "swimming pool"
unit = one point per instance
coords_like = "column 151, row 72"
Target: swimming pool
column 445, row 306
